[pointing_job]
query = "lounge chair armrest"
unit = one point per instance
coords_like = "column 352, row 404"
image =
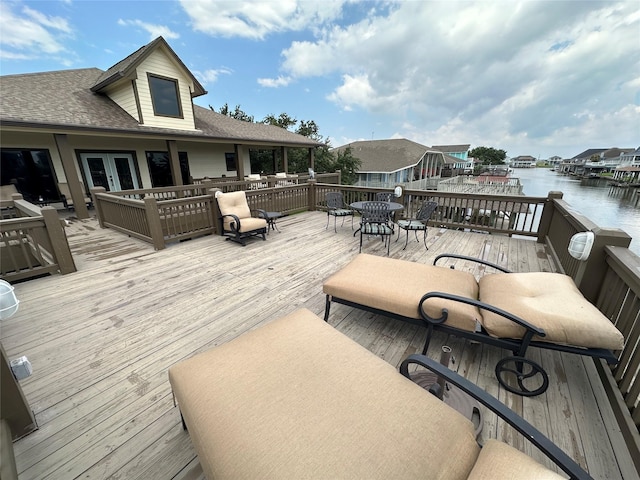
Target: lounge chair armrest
column 235, row 225
column 471, row 259
column 261, row 213
column 531, row 329
column 537, row 438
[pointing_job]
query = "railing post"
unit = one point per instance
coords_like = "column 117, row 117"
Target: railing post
column 153, row 219
column 97, row 204
column 547, row 215
column 58, row 239
column 311, row 194
column 590, row 275
column 216, row 210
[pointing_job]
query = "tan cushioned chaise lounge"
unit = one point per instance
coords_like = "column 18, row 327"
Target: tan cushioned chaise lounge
column 550, row 302
column 296, row 399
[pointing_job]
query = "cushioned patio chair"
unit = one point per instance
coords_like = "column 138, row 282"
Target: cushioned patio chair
column 513, row 311
column 237, row 222
column 375, row 220
column 419, row 223
column 337, row 208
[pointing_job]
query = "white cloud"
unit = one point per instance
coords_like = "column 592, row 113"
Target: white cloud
column 467, row 72
column 258, row 18
column 30, row 34
column 274, row 82
column 211, row 76
column 154, row 30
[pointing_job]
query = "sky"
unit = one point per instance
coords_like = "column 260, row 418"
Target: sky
column 539, row 78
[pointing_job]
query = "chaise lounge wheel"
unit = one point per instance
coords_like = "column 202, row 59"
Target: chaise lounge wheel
column 522, row 376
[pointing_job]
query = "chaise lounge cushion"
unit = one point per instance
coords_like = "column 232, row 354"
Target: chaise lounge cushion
column 298, row 399
column 550, row 301
column 499, row 461
column 397, row 286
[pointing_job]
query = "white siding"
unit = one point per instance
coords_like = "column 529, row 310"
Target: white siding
column 124, row 96
column 159, row 63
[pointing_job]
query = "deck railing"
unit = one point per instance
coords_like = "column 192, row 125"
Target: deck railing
column 33, row 242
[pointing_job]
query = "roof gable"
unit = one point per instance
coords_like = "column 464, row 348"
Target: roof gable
column 386, row 155
column 127, row 67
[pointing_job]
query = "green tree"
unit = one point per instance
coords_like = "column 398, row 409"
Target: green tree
column 489, row 155
column 348, row 165
column 283, row 120
column 238, row 113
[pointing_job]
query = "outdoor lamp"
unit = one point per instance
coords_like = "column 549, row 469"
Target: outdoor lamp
column 8, row 301
column 397, row 191
column 21, row 367
column 580, row 245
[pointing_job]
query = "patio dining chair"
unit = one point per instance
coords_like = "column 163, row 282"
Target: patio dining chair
column 337, row 208
column 375, row 221
column 418, row 223
column 385, row 196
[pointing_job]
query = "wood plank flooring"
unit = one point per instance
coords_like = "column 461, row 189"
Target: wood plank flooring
column 101, row 340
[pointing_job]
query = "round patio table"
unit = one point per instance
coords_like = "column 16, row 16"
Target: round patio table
column 393, row 207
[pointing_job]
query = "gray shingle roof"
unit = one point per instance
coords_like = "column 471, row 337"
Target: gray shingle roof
column 386, row 155
column 452, row 148
column 63, row 99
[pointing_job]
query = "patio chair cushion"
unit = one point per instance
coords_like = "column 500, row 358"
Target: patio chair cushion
column 499, row 461
column 401, row 286
column 235, row 203
column 550, row 301
column 298, row 399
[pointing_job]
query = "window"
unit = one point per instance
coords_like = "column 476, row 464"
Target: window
column 230, row 158
column 31, row 172
column 165, row 96
column 160, row 169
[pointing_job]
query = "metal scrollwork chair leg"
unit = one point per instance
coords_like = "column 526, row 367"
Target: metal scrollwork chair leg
column 530, row 377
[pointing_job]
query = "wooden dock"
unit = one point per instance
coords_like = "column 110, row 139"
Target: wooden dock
column 101, row 340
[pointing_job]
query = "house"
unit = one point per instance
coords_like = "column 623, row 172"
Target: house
column 132, row 126
column 465, row 164
column 387, row 163
column 629, row 169
column 523, row 161
column 595, row 161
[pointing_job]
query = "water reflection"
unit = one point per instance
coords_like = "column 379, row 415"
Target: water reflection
column 605, row 206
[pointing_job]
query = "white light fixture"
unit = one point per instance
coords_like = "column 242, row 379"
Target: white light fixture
column 312, row 174
column 8, row 301
column 581, row 244
column 398, row 191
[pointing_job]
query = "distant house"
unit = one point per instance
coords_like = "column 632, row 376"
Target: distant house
column 465, row 164
column 387, row 163
column 594, row 161
column 132, row 126
column 629, row 168
column 523, row 161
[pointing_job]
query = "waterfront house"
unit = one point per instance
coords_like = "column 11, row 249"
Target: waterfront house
column 523, row 161
column 595, row 161
column 132, row 126
column 386, row 163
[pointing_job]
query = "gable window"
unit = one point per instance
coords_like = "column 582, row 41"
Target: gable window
column 160, row 170
column 165, row 96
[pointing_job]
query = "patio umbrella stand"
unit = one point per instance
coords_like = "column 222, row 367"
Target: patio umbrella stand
column 450, row 394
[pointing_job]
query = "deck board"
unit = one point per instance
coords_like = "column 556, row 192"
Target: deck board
column 102, row 339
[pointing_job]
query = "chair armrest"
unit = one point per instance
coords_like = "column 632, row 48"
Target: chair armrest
column 236, row 219
column 537, row 438
column 261, row 213
column 531, row 329
column 471, row 259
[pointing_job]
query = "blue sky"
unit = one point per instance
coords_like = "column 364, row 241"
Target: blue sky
column 537, row 78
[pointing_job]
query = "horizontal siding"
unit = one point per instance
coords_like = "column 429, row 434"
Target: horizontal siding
column 160, row 64
column 124, row 96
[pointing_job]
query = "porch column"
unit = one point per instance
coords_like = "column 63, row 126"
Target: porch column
column 285, row 159
column 239, row 161
column 71, row 173
column 174, row 163
column 312, row 158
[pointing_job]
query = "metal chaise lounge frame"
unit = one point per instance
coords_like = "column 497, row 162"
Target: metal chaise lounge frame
column 525, row 371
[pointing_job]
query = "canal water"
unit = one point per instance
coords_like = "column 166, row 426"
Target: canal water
column 607, row 207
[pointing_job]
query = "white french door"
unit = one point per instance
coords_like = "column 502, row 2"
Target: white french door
column 113, row 171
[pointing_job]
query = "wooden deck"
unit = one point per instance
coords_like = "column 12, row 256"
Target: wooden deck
column 101, row 340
